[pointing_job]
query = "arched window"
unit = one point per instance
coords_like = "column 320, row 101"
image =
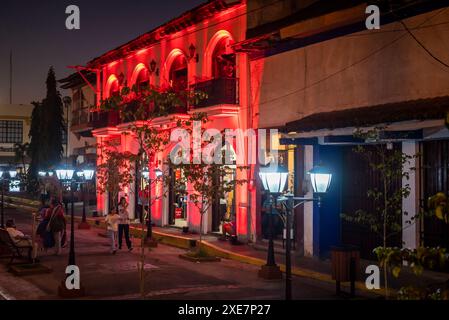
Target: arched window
column 178, row 73
column 223, row 60
column 140, row 76
column 143, row 79
column 112, row 86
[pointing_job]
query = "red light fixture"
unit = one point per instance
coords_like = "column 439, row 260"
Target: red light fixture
column 153, row 68
column 192, row 53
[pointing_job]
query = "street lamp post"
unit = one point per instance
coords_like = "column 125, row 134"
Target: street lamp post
column 146, row 175
column 86, row 175
column 2, row 179
column 274, row 181
column 66, row 175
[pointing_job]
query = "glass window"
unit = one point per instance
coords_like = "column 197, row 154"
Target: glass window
column 11, row 131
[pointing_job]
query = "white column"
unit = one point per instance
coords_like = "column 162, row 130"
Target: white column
column 410, row 205
column 308, row 206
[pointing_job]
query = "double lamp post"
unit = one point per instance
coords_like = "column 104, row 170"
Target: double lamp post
column 67, row 177
column 274, row 182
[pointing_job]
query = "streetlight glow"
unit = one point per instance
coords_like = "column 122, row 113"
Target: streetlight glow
column 273, row 181
column 158, row 172
column 320, row 178
column 88, row 174
column 65, row 174
column 146, row 174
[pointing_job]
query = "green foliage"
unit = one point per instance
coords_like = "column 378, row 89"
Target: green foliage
column 417, row 259
column 387, row 163
column 46, row 131
column 385, row 219
column 439, row 206
column 207, row 181
column 114, row 173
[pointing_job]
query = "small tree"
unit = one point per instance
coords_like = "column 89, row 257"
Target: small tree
column 422, row 257
column 385, row 219
column 139, row 106
column 114, row 173
column 208, row 179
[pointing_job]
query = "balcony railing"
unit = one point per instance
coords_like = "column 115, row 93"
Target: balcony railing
column 219, row 91
column 103, row 119
column 80, row 116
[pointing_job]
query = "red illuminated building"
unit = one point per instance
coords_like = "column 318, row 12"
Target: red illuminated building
column 196, row 51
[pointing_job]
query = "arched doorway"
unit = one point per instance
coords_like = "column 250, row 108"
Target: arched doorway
column 223, row 60
column 178, row 75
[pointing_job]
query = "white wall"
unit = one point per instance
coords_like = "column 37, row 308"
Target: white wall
column 363, row 69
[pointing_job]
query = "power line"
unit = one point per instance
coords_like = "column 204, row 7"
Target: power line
column 351, row 65
column 423, row 46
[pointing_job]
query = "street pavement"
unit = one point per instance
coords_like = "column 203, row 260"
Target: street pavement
column 107, row 276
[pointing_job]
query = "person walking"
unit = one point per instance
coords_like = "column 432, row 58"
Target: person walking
column 56, row 223
column 123, row 227
column 112, row 220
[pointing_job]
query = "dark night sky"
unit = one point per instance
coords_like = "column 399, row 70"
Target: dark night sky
column 35, row 31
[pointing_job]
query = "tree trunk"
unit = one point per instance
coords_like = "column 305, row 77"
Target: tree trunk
column 142, row 260
column 385, row 236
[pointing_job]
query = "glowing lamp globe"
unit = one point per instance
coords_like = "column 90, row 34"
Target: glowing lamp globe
column 321, row 179
column 158, row 172
column 88, row 174
column 146, row 174
column 12, row 174
column 65, row 174
column 274, row 181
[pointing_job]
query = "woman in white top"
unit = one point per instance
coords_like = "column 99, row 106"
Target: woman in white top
column 123, row 227
column 112, row 220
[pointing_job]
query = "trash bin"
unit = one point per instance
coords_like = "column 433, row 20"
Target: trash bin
column 345, row 266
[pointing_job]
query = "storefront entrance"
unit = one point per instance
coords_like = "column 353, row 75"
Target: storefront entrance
column 223, row 210
column 177, row 208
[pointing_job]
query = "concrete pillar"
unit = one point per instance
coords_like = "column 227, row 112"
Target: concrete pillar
column 308, row 206
column 410, row 205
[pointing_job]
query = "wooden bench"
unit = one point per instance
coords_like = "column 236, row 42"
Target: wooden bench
column 10, row 245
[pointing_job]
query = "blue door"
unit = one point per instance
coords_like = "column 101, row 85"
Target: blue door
column 327, row 224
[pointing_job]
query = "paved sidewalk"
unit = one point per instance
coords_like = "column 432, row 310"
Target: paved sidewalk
column 107, row 276
column 313, row 268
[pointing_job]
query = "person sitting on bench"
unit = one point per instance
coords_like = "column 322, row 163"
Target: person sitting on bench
column 20, row 239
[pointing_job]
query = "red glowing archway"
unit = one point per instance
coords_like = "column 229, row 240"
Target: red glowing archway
column 176, row 59
column 140, row 75
column 218, row 39
column 112, row 86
